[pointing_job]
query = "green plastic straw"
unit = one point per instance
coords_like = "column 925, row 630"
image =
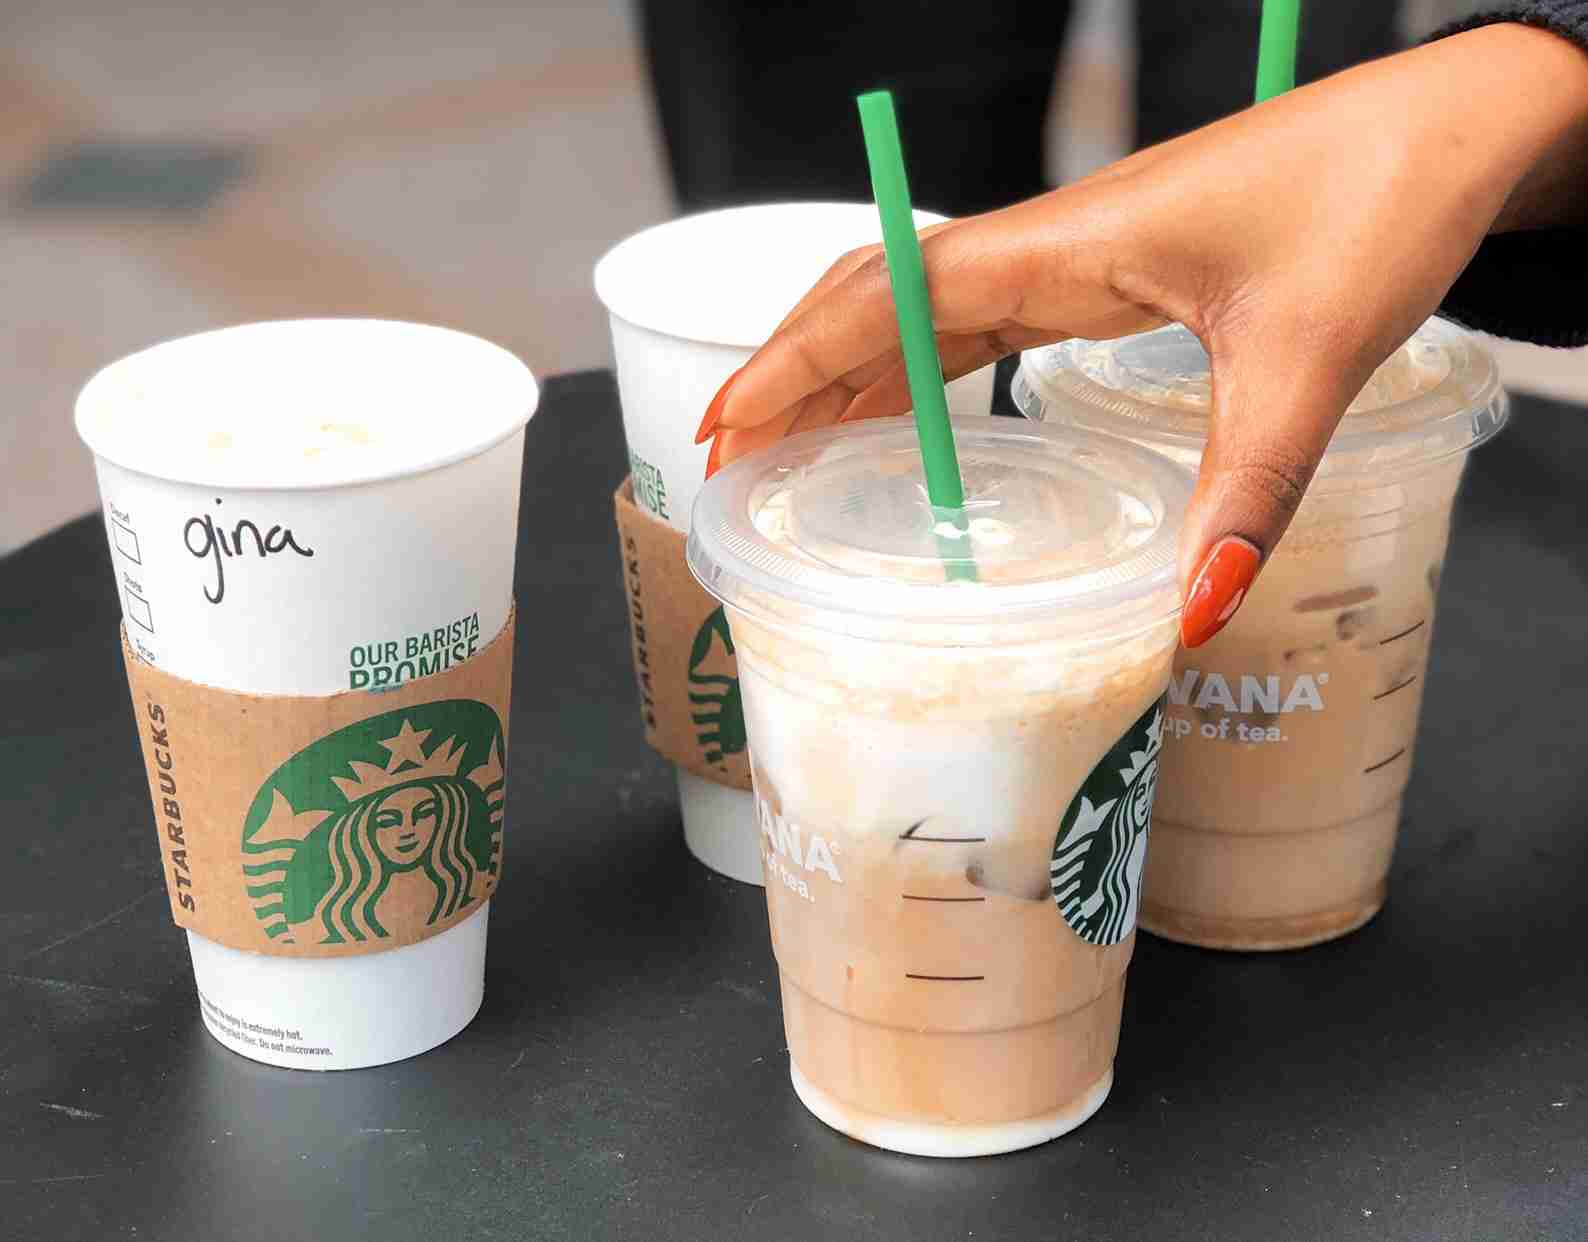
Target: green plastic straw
column 1276, row 48
column 917, row 338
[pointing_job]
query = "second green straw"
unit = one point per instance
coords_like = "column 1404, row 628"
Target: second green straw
column 1276, row 47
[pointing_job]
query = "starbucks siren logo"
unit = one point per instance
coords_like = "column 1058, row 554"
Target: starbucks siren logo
column 721, row 720
column 369, row 831
column 1102, row 841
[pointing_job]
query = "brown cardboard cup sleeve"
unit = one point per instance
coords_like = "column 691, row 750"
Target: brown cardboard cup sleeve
column 684, row 664
column 328, row 826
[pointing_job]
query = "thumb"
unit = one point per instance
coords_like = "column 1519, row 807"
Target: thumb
column 1275, row 406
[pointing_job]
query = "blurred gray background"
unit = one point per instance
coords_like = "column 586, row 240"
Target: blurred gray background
column 169, row 166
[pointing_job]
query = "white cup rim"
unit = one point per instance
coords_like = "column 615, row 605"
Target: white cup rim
column 479, row 391
column 691, row 277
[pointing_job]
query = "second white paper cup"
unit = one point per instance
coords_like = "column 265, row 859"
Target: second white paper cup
column 689, row 301
column 391, row 453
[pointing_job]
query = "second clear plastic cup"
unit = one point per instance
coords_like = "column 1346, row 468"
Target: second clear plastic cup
column 1291, row 732
column 953, row 778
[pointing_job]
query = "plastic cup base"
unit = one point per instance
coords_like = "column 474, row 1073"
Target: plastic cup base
column 947, row 1141
column 1268, row 935
column 719, row 827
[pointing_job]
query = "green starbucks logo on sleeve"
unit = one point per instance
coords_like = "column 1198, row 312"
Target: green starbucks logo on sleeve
column 714, row 682
column 1102, row 842
column 381, row 830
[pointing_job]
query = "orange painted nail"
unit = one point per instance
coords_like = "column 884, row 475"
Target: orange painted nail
column 1218, row 588
column 714, row 458
column 708, row 425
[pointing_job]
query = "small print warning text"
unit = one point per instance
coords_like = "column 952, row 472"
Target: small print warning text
column 268, row 1038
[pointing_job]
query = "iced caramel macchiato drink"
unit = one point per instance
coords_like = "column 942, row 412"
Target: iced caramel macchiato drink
column 955, row 741
column 1289, row 736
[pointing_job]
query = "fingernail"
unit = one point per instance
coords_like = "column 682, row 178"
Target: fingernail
column 708, row 425
column 1218, row 589
column 714, row 458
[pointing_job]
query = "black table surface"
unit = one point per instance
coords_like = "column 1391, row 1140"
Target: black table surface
column 627, row 1076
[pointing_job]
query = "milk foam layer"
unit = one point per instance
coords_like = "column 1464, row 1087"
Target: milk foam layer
column 926, row 680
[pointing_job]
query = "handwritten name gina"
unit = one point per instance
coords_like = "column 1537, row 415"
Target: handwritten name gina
column 205, row 539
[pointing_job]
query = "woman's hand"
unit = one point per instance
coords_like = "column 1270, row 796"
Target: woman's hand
column 1302, row 241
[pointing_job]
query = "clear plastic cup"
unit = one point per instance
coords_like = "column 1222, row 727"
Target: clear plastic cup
column 952, row 777
column 391, row 454
column 690, row 300
column 1291, row 733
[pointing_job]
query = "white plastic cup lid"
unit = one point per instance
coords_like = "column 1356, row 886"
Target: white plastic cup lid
column 1438, row 394
column 1070, row 531
column 729, row 277
column 305, row 404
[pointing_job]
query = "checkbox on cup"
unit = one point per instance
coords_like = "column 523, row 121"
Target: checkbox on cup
column 138, row 610
column 125, row 540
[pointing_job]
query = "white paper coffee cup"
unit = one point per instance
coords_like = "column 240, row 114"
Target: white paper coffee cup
column 689, row 301
column 374, row 468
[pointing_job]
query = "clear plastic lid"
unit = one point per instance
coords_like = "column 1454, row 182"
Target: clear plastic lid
column 1438, row 394
column 1063, row 530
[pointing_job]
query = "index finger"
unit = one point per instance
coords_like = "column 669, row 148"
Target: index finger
column 849, row 319
column 841, row 268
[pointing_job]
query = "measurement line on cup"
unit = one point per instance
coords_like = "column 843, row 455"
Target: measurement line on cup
column 1384, row 763
column 909, row 835
column 920, row 897
column 946, row 978
column 1393, row 689
column 1385, row 642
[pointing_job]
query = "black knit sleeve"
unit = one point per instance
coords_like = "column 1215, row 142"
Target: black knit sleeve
column 1529, row 286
